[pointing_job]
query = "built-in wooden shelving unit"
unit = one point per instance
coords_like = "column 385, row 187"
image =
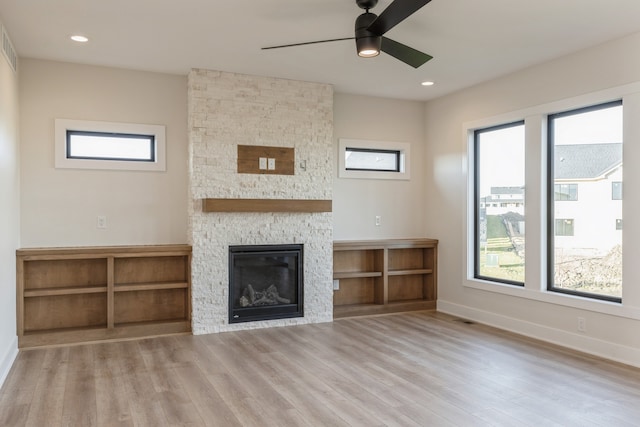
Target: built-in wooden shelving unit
column 68, row 295
column 384, row 276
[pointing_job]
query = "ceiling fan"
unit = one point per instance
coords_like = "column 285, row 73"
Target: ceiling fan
column 370, row 29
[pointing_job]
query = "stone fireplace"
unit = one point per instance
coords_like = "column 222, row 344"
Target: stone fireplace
column 227, row 110
column 265, row 282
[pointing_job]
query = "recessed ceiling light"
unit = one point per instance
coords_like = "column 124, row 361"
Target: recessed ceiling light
column 80, row 39
column 427, row 83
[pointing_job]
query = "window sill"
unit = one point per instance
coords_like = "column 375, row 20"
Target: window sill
column 577, row 302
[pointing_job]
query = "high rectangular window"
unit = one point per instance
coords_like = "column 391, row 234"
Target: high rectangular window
column 110, row 146
column 82, row 144
column 584, row 250
column 367, row 159
column 499, row 226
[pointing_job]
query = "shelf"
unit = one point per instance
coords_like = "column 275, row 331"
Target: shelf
column 45, row 292
column 352, row 310
column 356, row 275
column 410, row 272
column 384, row 276
column 266, row 205
column 99, row 334
column 74, row 295
column 130, row 287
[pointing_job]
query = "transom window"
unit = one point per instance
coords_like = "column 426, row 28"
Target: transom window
column 367, row 159
column 81, row 144
column 110, row 146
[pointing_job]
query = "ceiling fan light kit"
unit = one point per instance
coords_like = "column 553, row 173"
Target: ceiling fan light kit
column 370, row 29
column 368, row 44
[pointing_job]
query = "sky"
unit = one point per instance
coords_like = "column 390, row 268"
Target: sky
column 502, row 150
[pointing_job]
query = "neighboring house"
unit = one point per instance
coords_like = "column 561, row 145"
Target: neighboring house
column 503, row 200
column 588, row 194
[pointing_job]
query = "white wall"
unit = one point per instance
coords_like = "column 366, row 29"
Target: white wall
column 611, row 329
column 9, row 214
column 60, row 206
column 356, row 202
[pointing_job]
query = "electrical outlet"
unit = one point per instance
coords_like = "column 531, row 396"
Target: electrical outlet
column 262, row 163
column 378, row 220
column 582, row 324
column 271, row 164
column 336, row 285
column 101, row 222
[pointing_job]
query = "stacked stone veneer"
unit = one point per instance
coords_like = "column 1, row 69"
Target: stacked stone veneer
column 225, row 110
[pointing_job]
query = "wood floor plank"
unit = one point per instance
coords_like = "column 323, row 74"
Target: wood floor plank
column 79, row 407
column 50, row 387
column 401, row 370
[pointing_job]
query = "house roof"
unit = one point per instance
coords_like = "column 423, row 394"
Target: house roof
column 586, row 161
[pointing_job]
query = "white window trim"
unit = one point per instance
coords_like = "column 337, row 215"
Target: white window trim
column 535, row 205
column 405, row 160
column 62, row 162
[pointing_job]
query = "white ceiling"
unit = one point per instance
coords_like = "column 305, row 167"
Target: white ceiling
column 471, row 40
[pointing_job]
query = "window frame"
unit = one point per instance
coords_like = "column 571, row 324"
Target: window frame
column 404, row 172
column 477, row 201
column 535, row 290
column 63, row 161
column 396, row 153
column 614, row 192
column 550, row 246
column 568, row 185
column 564, row 221
column 150, row 138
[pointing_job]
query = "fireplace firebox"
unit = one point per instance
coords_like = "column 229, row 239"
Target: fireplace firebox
column 265, row 282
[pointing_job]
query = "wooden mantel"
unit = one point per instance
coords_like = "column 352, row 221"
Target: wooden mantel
column 266, row 205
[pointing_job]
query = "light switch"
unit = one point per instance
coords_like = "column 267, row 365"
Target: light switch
column 262, row 163
column 271, row 164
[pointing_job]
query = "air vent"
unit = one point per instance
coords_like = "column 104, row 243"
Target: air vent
column 8, row 50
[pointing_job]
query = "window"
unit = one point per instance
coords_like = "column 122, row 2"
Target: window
column 564, row 227
column 616, row 190
column 367, row 159
column 373, row 159
column 499, row 227
column 566, row 192
column 83, row 144
column 110, row 146
column 586, row 145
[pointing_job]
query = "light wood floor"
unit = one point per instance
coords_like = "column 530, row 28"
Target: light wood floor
column 412, row 369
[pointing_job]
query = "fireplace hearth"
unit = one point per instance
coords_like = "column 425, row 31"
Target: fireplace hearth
column 265, row 282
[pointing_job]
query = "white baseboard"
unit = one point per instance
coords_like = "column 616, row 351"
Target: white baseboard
column 6, row 362
column 580, row 342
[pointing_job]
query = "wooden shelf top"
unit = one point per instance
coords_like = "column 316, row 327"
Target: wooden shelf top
column 356, row 274
column 345, row 245
column 47, row 292
column 266, row 205
column 103, row 251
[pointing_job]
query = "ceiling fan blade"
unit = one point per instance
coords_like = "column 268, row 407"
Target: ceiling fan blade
column 395, row 13
column 404, row 53
column 305, row 43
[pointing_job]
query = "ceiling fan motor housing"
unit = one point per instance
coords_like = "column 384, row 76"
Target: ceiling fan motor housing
column 367, row 41
column 366, row 4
